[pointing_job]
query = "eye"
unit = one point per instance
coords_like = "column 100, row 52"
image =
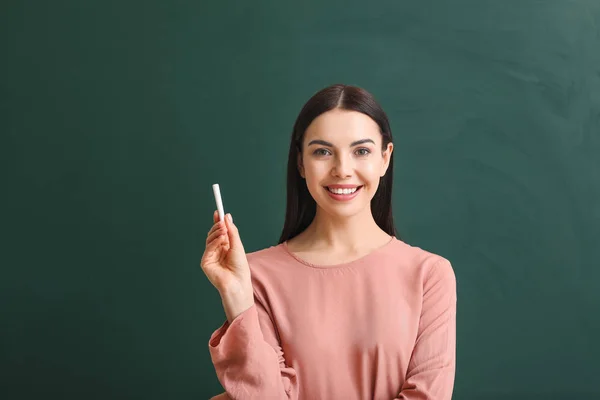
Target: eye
column 363, row 151
column 321, row 152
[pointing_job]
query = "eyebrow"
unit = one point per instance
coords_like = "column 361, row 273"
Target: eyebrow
column 324, row 143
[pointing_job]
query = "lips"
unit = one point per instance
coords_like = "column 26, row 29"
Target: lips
column 344, row 192
column 343, row 189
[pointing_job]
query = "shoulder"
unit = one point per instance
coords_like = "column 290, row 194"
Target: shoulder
column 267, row 256
column 269, row 264
column 270, row 272
column 425, row 266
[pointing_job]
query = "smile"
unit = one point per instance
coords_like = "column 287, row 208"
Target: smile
column 343, row 194
column 343, row 191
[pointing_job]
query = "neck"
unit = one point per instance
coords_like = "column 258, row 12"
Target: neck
column 344, row 233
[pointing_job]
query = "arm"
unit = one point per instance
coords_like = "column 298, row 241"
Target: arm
column 248, row 358
column 431, row 369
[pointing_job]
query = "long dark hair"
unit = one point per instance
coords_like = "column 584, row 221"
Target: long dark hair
column 301, row 207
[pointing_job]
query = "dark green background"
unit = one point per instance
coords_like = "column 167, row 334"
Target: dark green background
column 116, row 118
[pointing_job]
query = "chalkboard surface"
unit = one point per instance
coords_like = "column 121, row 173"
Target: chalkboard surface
column 118, row 116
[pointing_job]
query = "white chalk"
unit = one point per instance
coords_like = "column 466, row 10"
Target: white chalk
column 219, row 201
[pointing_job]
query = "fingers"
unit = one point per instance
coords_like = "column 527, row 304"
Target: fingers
column 215, row 233
column 215, row 244
column 217, row 225
column 232, row 232
column 217, row 230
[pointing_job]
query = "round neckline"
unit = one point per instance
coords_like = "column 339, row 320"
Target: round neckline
column 339, row 265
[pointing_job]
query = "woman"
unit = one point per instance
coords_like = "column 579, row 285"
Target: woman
column 341, row 308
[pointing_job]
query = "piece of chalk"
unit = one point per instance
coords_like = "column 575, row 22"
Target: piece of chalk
column 219, row 201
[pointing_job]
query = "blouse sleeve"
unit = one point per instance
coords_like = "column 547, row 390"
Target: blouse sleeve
column 249, row 360
column 431, row 368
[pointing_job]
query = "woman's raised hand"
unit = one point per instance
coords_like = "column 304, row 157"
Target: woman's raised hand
column 226, row 267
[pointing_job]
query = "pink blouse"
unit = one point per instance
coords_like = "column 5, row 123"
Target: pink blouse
column 380, row 327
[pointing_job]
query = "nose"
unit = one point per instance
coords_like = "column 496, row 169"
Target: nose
column 342, row 167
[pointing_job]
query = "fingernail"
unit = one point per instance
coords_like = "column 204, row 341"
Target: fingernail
column 230, row 217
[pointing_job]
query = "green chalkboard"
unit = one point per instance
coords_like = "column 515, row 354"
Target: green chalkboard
column 118, row 116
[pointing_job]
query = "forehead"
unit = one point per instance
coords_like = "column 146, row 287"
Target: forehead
column 342, row 127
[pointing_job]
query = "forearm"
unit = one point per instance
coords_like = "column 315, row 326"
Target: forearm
column 247, row 365
column 236, row 300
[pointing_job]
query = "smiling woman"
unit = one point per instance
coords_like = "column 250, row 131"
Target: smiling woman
column 340, row 130
column 341, row 307
column 344, row 160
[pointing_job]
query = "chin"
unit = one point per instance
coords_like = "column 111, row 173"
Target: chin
column 342, row 210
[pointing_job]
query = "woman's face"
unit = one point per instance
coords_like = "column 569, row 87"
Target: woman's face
column 342, row 161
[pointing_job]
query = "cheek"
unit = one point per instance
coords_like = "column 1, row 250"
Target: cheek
column 370, row 171
column 315, row 171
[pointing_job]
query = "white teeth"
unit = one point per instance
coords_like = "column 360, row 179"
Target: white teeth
column 342, row 191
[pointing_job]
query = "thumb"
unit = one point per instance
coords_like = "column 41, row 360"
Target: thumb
column 235, row 242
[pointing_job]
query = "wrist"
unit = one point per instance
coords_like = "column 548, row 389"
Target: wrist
column 236, row 300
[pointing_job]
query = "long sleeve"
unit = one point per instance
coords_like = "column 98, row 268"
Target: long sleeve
column 431, row 369
column 248, row 358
